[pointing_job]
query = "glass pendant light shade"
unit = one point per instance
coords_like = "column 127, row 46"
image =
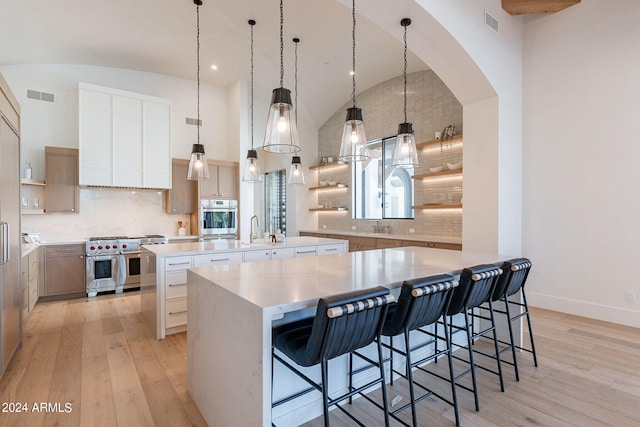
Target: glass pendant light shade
column 251, row 168
column 282, row 133
column 198, row 167
column 296, row 174
column 354, row 141
column 405, row 154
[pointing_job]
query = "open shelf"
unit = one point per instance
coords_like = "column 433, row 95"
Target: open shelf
column 28, row 211
column 327, row 166
column 329, row 186
column 444, row 173
column 338, row 209
column 456, row 139
column 32, row 182
column 438, row 206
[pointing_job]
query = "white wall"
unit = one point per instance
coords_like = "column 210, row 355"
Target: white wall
column 581, row 151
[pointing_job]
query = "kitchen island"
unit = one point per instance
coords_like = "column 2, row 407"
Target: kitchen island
column 232, row 311
column 163, row 271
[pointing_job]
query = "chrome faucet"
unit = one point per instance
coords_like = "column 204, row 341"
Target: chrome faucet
column 253, row 237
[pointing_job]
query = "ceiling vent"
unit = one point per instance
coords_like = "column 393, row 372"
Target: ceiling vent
column 192, row 121
column 40, row 96
column 491, row 21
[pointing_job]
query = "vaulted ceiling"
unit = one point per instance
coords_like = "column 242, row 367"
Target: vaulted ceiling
column 159, row 36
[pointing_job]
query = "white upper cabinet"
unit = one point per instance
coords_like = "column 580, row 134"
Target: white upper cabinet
column 125, row 138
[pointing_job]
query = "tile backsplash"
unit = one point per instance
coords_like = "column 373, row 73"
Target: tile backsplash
column 430, row 107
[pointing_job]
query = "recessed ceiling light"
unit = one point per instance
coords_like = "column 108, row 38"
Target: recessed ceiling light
column 214, row 67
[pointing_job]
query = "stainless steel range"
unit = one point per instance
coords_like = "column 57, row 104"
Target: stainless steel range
column 113, row 263
column 103, row 265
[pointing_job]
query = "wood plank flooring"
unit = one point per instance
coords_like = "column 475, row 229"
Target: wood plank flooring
column 98, row 356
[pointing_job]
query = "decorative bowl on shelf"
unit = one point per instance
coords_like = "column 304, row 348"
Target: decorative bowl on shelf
column 436, row 169
column 333, row 182
column 323, row 183
column 455, row 166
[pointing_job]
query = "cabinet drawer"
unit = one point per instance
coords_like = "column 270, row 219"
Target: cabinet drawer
column 436, row 245
column 178, row 263
column 388, row 243
column 282, row 253
column 176, row 312
column 33, row 297
column 261, row 255
column 306, row 251
column 64, row 250
column 176, row 282
column 338, row 248
column 220, row 258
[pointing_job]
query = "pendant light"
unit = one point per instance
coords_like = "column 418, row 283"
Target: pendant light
column 251, row 167
column 405, row 154
column 296, row 173
column 353, row 147
column 281, row 135
column 198, row 168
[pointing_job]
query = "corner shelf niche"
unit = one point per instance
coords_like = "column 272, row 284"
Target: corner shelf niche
column 30, row 190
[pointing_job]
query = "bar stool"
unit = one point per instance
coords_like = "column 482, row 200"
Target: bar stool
column 477, row 285
column 511, row 282
column 342, row 324
column 421, row 303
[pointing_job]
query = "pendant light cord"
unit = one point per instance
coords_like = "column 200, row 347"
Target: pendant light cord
column 405, row 73
column 198, row 62
column 281, row 45
column 252, row 23
column 296, row 41
column 353, row 53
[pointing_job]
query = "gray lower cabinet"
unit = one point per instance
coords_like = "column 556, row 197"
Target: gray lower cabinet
column 64, row 270
column 29, row 283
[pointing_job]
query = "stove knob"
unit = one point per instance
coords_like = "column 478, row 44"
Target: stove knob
column 107, row 247
column 124, row 246
column 164, row 243
column 115, row 246
column 99, row 247
column 93, row 248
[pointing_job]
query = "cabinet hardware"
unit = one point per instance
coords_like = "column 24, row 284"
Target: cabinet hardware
column 180, row 263
column 306, row 252
column 219, row 260
column 171, row 313
column 178, row 284
column 331, row 249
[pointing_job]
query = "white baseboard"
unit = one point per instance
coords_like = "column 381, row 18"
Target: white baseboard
column 607, row 313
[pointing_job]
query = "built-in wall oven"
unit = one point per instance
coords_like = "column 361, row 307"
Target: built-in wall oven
column 218, row 219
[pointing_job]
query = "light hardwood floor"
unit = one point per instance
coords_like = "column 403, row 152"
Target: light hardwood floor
column 98, row 356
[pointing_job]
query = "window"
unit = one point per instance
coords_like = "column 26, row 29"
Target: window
column 275, row 201
column 379, row 190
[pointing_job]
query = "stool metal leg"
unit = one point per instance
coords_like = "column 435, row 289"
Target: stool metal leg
column 454, row 397
column 533, row 346
column 410, row 377
column 495, row 344
column 513, row 345
column 325, row 391
column 385, row 403
column 471, row 360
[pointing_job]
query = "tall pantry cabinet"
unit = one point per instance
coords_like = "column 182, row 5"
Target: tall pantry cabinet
column 10, row 256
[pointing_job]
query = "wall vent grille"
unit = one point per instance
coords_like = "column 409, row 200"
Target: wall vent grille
column 40, row 96
column 491, row 21
column 194, row 122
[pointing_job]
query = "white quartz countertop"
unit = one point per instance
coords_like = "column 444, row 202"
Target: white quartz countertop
column 415, row 237
column 213, row 246
column 281, row 286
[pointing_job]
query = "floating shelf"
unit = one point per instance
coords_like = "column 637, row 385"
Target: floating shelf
column 438, row 206
column 329, row 186
column 338, row 209
column 32, row 182
column 446, row 173
column 328, row 165
column 456, row 139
